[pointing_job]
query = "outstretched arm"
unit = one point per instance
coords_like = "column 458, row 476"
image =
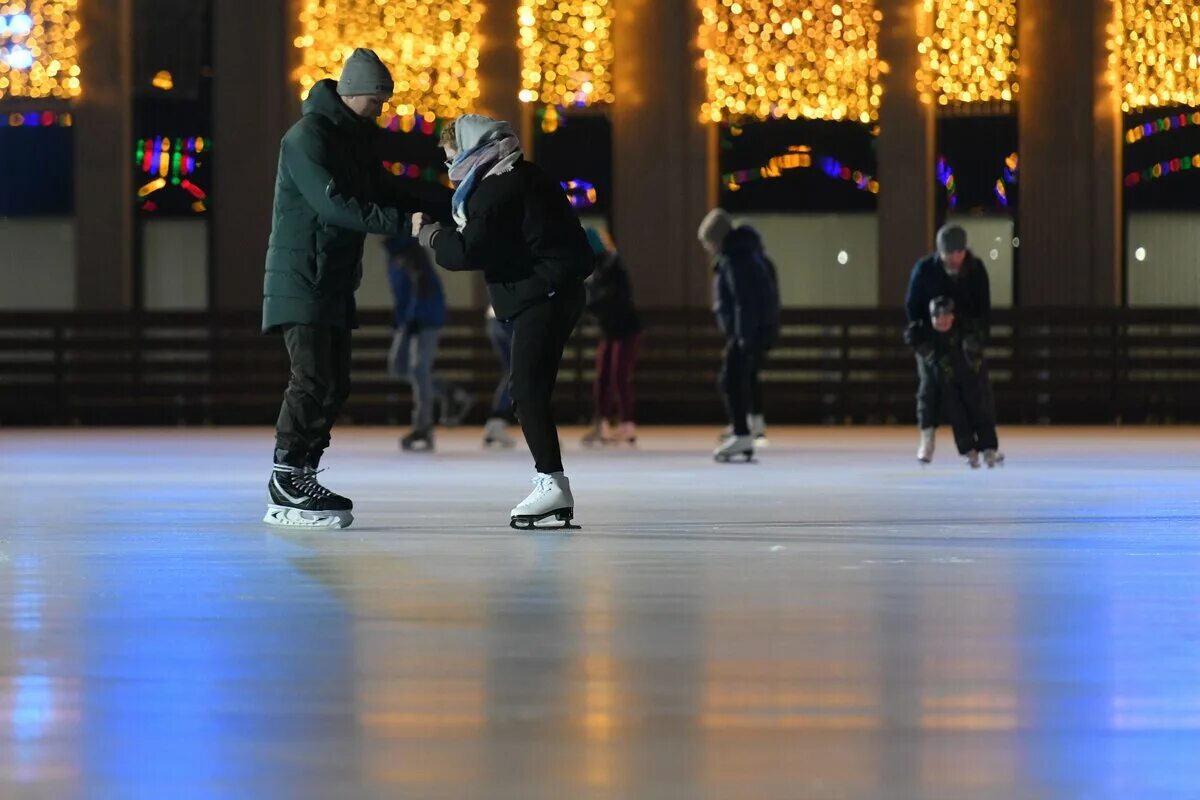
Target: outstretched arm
column 307, row 162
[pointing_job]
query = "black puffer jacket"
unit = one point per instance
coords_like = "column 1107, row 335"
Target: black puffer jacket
column 745, row 291
column 523, row 234
column 972, row 295
column 610, row 298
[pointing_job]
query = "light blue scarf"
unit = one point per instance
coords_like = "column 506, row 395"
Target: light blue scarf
column 486, row 147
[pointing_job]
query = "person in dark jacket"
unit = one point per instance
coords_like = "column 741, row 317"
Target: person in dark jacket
column 610, row 301
column 746, row 303
column 961, row 394
column 952, row 272
column 514, row 222
column 329, row 193
column 419, row 318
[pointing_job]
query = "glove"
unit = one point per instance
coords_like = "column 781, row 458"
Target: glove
column 427, row 234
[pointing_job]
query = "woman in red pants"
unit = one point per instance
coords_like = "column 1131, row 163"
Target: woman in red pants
column 610, row 301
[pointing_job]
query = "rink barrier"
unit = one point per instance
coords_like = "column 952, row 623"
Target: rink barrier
column 831, row 366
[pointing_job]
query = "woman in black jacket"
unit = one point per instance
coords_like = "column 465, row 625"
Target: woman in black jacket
column 610, row 301
column 513, row 222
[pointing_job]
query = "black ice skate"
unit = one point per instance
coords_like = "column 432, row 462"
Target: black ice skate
column 298, row 500
column 551, row 498
column 418, row 440
column 735, row 448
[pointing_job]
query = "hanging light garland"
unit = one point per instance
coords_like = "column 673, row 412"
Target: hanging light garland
column 968, row 51
column 800, row 157
column 36, row 119
column 945, row 176
column 566, row 51
column 1007, row 179
column 1174, row 122
column 430, row 46
column 769, row 59
column 580, row 193
column 171, row 162
column 1161, row 170
column 38, row 54
column 1153, row 53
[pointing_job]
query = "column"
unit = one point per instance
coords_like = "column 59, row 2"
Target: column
column 663, row 157
column 104, row 188
column 1069, row 219
column 906, row 155
column 255, row 100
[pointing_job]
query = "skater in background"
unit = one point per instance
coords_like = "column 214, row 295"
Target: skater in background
column 746, row 302
column 955, row 273
column 495, row 431
column 330, row 191
column 420, row 315
column 955, row 365
column 610, row 301
column 514, row 223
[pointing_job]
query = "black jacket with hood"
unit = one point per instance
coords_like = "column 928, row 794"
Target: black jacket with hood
column 745, row 291
column 522, row 233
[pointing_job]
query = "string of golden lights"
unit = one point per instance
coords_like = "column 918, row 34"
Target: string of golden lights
column 430, row 46
column 566, row 51
column 969, row 52
column 767, row 59
column 1154, row 51
column 39, row 57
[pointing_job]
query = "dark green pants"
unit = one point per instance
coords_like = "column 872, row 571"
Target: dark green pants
column 316, row 392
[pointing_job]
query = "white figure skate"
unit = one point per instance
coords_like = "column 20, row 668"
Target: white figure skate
column 551, row 498
column 928, row 441
column 733, row 448
column 993, row 458
column 495, row 434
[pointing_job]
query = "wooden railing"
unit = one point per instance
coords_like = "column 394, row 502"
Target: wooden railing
column 831, row 366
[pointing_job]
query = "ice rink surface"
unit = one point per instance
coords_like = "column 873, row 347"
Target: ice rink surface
column 831, row 622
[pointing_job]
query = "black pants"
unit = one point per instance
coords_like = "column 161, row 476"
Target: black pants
column 736, row 382
column 965, row 399
column 756, row 392
column 539, row 335
column 316, row 392
column 929, row 394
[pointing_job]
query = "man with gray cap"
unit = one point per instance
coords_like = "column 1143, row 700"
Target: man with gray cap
column 330, row 191
column 955, row 275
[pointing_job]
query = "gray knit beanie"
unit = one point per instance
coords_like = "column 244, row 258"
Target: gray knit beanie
column 951, row 239
column 363, row 74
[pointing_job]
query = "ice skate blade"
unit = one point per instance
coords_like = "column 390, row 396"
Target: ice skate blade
column 497, row 444
column 284, row 517
column 730, row 458
column 529, row 522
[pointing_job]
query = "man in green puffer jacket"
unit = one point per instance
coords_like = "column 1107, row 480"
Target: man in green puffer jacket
column 331, row 190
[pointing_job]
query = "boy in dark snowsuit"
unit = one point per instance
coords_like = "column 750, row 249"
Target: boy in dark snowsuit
column 950, row 352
